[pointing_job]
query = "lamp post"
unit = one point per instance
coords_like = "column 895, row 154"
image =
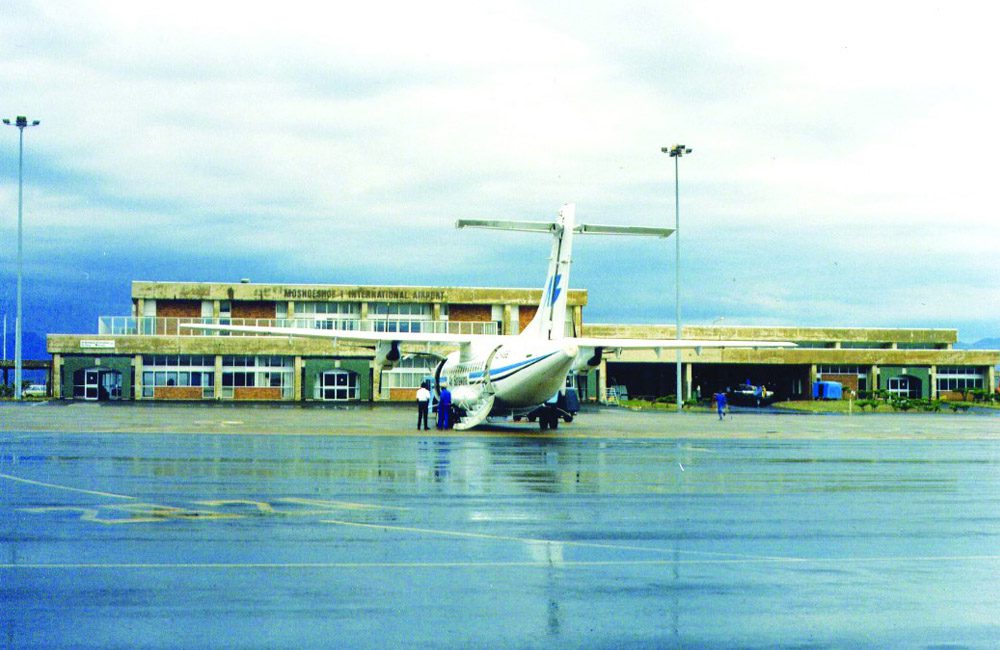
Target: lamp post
column 21, row 122
column 676, row 152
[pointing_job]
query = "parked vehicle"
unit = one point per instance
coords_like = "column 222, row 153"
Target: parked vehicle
column 749, row 395
column 565, row 404
column 828, row 390
column 34, row 390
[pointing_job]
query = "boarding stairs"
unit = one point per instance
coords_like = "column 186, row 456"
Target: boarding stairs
column 479, row 409
column 476, row 412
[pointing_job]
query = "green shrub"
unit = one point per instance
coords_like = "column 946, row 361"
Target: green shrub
column 865, row 403
column 902, row 405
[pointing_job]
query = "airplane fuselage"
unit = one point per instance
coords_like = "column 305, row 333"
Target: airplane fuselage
column 521, row 372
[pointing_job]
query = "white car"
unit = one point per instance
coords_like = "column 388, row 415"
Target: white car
column 34, row 390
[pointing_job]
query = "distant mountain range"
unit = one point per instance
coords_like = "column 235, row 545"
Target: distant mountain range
column 982, row 344
column 32, row 346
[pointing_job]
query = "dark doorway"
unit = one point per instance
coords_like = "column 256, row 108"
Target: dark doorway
column 786, row 382
column 97, row 384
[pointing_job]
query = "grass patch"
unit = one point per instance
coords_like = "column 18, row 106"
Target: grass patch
column 661, row 405
column 817, row 406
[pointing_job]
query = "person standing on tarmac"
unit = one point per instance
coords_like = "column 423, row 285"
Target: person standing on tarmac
column 423, row 401
column 444, row 409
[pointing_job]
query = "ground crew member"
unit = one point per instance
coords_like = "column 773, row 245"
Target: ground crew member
column 423, row 402
column 720, row 403
column 444, row 409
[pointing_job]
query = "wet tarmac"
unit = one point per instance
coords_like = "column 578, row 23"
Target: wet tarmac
column 129, row 527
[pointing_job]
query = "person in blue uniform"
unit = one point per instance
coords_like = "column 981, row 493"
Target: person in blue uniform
column 720, row 404
column 444, row 409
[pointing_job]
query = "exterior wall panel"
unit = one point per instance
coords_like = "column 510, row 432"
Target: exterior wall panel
column 252, row 309
column 265, row 393
column 177, row 392
column 178, row 308
column 470, row 313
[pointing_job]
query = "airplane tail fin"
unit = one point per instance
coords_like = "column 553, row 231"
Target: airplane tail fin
column 549, row 321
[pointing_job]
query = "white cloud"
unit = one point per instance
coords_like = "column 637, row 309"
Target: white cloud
column 855, row 140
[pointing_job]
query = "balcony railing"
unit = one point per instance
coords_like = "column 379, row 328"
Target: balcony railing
column 163, row 326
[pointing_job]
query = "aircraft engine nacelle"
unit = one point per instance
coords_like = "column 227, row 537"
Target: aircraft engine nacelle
column 386, row 353
column 586, row 360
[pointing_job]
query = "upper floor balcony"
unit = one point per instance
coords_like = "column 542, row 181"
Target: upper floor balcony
column 163, row 326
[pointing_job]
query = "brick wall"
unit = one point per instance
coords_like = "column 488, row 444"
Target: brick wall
column 524, row 316
column 257, row 393
column 403, row 395
column 849, row 382
column 178, row 308
column 253, row 309
column 470, row 313
column 177, row 392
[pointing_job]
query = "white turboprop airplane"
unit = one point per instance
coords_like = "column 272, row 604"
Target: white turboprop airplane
column 504, row 375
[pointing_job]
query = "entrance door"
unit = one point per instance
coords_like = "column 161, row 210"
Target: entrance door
column 905, row 386
column 91, row 384
column 97, row 384
column 338, row 386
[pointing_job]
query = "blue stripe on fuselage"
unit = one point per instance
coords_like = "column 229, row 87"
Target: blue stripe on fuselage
column 520, row 365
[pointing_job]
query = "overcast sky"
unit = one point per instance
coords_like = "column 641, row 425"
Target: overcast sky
column 843, row 170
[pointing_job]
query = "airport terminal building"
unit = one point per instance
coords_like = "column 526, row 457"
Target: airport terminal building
column 147, row 356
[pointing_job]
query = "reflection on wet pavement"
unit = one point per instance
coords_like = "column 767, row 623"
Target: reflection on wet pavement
column 303, row 541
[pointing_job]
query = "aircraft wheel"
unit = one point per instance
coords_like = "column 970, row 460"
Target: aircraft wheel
column 554, row 422
column 568, row 418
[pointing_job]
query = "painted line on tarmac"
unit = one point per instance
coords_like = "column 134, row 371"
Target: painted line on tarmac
column 64, row 487
column 41, row 566
column 532, row 540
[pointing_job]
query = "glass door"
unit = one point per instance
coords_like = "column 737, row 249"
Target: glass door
column 91, row 384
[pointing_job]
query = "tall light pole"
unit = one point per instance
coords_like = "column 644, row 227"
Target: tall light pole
column 21, row 122
column 676, row 152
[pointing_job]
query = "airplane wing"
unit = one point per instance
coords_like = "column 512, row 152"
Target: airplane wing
column 358, row 336
column 665, row 344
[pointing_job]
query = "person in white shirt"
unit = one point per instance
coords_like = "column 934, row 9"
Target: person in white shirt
column 423, row 402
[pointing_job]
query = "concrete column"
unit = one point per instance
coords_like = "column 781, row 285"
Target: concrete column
column 218, row 371
column 137, row 388
column 364, row 311
column 875, row 379
column 932, row 391
column 688, row 380
column 602, row 382
column 376, row 382
column 991, row 379
column 291, row 310
column 216, row 309
column 297, row 379
column 505, row 324
column 578, row 320
column 809, row 383
column 56, row 376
